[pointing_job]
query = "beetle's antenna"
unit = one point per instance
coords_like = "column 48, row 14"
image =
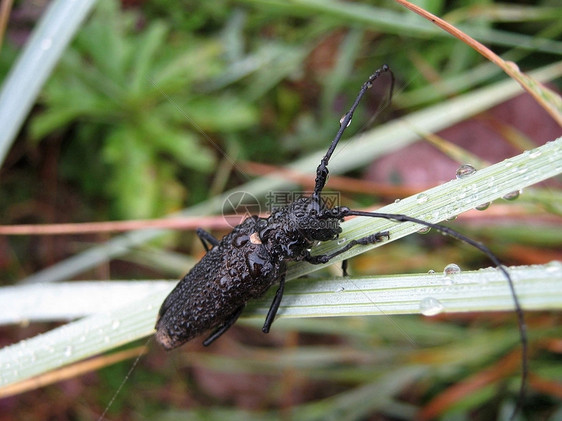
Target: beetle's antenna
column 322, row 169
column 127, row 376
column 455, row 234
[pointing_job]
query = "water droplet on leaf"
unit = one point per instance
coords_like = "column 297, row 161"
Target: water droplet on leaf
column 451, row 269
column 553, row 266
column 512, row 196
column 465, row 170
column 422, row 198
column 342, row 120
column 430, row 306
column 483, row 206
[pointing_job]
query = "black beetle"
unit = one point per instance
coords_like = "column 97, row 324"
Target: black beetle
column 250, row 259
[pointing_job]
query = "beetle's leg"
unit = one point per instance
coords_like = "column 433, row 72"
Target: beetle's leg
column 344, row 267
column 221, row 329
column 208, row 237
column 325, row 258
column 274, row 306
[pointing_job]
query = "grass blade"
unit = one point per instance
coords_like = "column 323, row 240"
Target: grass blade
column 33, row 67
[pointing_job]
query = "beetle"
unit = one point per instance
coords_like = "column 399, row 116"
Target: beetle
column 252, row 258
column 254, row 255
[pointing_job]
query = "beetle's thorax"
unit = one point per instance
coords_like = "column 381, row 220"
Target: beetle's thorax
column 290, row 231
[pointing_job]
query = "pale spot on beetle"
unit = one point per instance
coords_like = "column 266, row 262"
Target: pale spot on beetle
column 255, row 238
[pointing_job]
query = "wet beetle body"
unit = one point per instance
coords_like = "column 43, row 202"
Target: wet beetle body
column 242, row 266
column 250, row 259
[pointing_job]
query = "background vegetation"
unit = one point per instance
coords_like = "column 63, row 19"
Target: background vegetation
column 159, row 105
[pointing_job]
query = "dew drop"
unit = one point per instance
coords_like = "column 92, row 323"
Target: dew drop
column 512, row 196
column 341, row 241
column 340, row 289
column 522, row 170
column 553, row 266
column 483, row 206
column 535, row 154
column 430, row 306
column 343, row 118
column 451, row 269
column 68, row 351
column 465, row 170
column 513, row 66
column 430, row 272
column 397, row 201
column 424, row 230
column 115, row 324
column 422, row 198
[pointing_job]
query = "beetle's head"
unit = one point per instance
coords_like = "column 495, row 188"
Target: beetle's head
column 315, row 220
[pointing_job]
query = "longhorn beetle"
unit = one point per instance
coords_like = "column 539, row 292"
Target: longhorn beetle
column 250, row 259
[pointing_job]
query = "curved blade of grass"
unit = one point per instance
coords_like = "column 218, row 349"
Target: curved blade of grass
column 537, row 287
column 346, row 13
column 485, row 290
column 547, row 98
column 357, row 151
column 71, row 300
column 33, row 67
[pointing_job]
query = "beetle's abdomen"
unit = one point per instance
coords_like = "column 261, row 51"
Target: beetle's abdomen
column 230, row 274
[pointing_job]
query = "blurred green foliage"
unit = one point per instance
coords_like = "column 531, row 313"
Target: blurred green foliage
column 149, row 102
column 143, row 119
